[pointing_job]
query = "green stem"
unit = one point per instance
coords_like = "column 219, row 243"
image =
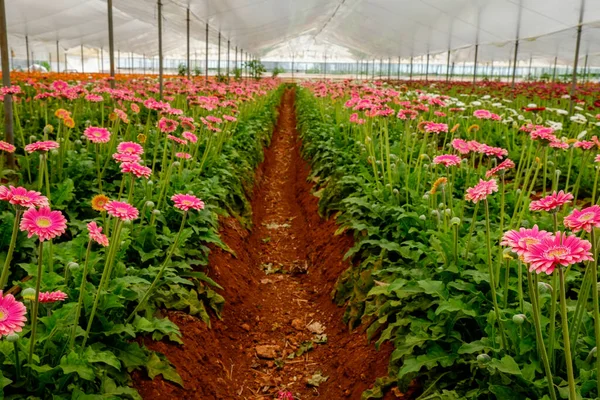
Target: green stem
column 596, row 311
column 36, row 303
column 491, row 272
column 565, row 329
column 11, row 249
column 538, row 334
column 160, row 272
column 114, row 244
column 81, row 293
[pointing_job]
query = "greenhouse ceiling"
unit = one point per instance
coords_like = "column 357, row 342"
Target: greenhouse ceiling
column 358, row 29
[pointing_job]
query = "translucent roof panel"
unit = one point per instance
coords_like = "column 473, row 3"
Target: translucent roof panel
column 348, row 29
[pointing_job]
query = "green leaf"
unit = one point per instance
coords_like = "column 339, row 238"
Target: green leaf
column 73, row 363
column 473, row 347
column 97, row 356
column 63, row 192
column 455, row 305
column 435, row 356
column 507, row 365
column 435, row 288
column 156, row 366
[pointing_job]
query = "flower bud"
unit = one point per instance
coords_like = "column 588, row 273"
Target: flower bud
column 519, row 319
column 150, row 204
column 544, row 287
column 455, row 221
column 422, row 217
column 73, row 266
column 28, row 294
column 176, row 164
column 483, row 359
column 395, row 191
column 12, row 337
column 150, row 183
column 156, row 212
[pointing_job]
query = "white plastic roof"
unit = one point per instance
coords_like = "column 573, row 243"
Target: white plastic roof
column 344, row 28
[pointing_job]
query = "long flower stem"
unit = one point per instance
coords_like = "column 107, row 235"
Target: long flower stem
column 114, row 244
column 491, row 272
column 81, row 293
column 565, row 329
column 36, row 303
column 160, row 272
column 596, row 311
column 538, row 334
column 11, row 249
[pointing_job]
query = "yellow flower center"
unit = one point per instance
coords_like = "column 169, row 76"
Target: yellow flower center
column 3, row 314
column 557, row 252
column 43, row 222
column 586, row 216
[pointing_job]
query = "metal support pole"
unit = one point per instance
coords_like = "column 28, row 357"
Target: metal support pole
column 111, row 44
column 325, row 68
column 427, row 69
column 57, row 58
column 389, row 68
column 82, row 59
column 475, row 65
column 228, row 57
column 514, row 72
column 160, row 50
column 576, row 58
column 219, row 58
column 144, row 63
column 293, row 80
column 187, row 21
column 367, row 70
column 380, row 68
column 27, row 49
column 101, row 59
column 206, row 57
column 448, row 66
column 554, row 70
column 585, row 68
column 373, row 76
column 235, row 64
column 529, row 69
column 399, row 64
column 411, row 68
column 8, row 108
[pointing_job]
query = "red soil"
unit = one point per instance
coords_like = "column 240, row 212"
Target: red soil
column 221, row 362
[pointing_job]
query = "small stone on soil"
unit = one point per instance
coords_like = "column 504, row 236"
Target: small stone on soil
column 267, row 351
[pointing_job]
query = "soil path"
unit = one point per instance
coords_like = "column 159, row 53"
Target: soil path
column 279, row 329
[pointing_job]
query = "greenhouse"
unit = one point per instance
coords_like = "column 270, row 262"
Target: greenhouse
column 287, row 200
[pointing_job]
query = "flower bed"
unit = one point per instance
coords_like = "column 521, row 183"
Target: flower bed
column 107, row 217
column 452, row 193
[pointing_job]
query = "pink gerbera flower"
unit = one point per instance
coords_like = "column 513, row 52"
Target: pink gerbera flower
column 481, row 191
column 126, row 157
column 136, row 169
column 7, row 147
column 95, row 234
column 551, row 202
column 520, row 241
column 447, row 160
column 167, row 125
column 121, row 210
column 41, row 146
column 184, row 155
column 482, row 114
column 96, row 134
column 186, row 202
column 190, row 136
column 130, row 148
column 504, row 165
column 229, row 118
column 44, row 223
column 182, row 142
column 12, row 315
column 557, row 250
column 586, row 219
column 52, row 297
column 435, row 127
column 19, row 196
column 461, row 146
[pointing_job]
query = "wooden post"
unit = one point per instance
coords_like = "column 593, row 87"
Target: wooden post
column 8, row 107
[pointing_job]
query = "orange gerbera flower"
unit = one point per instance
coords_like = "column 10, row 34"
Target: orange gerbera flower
column 99, row 202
